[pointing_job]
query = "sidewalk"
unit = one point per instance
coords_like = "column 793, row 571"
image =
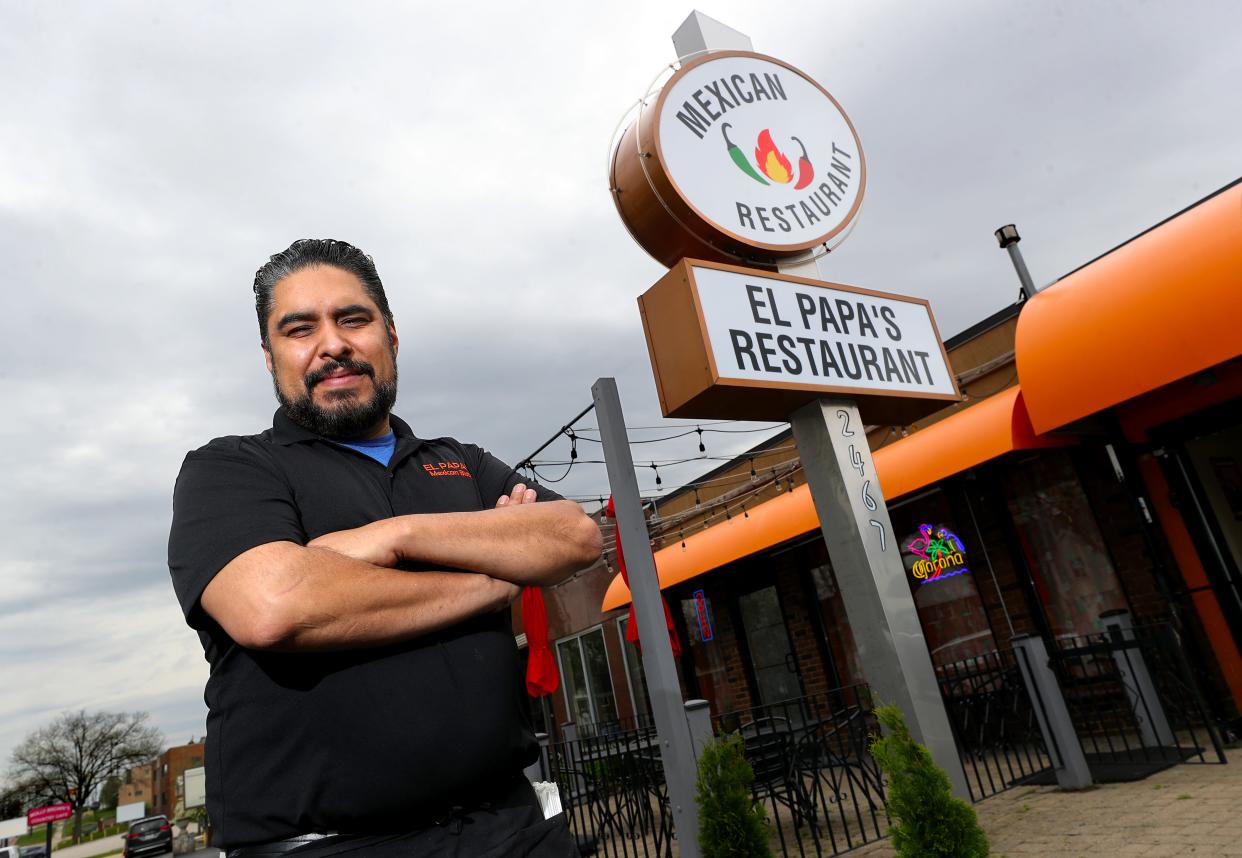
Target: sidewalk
column 1186, row 810
column 88, row 850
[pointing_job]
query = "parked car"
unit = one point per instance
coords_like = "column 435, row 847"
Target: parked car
column 36, row 851
column 151, row 835
column 10, row 852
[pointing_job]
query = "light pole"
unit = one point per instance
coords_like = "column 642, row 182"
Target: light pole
column 1008, row 238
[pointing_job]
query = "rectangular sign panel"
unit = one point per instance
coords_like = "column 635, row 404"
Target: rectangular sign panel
column 775, row 331
column 740, row 343
column 48, row 813
column 130, row 812
column 14, row 827
column 194, row 787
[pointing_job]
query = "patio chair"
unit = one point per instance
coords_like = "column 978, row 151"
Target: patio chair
column 770, row 748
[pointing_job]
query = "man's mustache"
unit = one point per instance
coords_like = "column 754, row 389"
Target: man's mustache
column 348, row 364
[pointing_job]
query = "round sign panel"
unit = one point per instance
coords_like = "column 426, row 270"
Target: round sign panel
column 752, row 159
column 761, row 151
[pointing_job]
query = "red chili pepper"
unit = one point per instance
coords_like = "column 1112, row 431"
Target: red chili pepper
column 805, row 171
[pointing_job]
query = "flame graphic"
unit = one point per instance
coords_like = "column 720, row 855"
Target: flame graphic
column 771, row 160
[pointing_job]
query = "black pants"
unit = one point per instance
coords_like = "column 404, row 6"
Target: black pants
column 513, row 827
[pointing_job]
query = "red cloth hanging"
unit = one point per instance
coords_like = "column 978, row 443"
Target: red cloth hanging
column 541, row 674
column 631, row 625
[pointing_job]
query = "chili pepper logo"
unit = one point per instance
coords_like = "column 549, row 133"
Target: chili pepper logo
column 739, row 157
column 772, row 161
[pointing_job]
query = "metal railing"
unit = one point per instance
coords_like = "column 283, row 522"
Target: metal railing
column 1134, row 702
column 613, row 791
column 822, row 792
column 994, row 722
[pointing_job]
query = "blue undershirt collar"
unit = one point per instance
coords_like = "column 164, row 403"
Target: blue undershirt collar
column 380, row 449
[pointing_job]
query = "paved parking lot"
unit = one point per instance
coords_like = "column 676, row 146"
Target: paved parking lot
column 1186, row 810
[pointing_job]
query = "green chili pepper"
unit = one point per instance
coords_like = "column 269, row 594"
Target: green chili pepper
column 739, row 157
column 805, row 171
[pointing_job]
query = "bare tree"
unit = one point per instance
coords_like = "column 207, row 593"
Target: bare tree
column 69, row 758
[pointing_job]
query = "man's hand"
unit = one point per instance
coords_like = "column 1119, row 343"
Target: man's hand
column 367, row 543
column 520, row 495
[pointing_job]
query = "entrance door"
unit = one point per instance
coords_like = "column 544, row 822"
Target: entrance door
column 771, row 655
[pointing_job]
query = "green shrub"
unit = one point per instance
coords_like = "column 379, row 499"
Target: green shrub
column 928, row 822
column 730, row 824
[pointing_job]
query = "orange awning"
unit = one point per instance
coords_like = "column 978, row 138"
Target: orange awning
column 992, row 427
column 1160, row 308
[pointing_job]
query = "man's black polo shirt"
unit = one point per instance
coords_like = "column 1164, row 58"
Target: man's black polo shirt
column 352, row 741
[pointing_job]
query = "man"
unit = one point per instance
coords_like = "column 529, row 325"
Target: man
column 351, row 585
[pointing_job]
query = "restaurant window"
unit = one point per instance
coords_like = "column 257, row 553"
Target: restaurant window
column 639, row 698
column 940, row 552
column 586, row 680
column 1064, row 550
column 708, row 648
column 832, row 614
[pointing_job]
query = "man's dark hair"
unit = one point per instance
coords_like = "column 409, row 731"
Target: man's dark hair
column 307, row 253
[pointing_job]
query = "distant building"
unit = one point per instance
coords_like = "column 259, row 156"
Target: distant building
column 167, row 777
column 138, row 785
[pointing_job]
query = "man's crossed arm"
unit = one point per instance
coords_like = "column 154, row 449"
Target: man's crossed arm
column 341, row 591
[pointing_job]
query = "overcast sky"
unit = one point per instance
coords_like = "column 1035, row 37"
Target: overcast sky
column 152, row 155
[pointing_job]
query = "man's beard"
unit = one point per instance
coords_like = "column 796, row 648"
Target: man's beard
column 347, row 419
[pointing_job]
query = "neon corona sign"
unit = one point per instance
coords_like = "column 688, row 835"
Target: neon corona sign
column 940, row 554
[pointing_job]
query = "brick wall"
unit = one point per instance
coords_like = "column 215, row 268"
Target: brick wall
column 168, row 770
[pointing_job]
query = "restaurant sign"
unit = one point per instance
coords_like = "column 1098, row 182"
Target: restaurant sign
column 741, row 155
column 722, row 336
column 761, row 150
column 48, row 813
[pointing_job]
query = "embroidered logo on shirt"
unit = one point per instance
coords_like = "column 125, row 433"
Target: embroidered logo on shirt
column 447, row 469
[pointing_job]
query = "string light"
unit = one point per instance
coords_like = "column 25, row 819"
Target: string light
column 699, row 429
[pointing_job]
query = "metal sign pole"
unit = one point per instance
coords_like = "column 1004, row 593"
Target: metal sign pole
column 676, row 748
column 866, row 559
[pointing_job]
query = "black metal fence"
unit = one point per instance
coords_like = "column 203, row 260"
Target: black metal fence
column 994, row 722
column 1134, row 702
column 613, row 791
column 822, row 792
